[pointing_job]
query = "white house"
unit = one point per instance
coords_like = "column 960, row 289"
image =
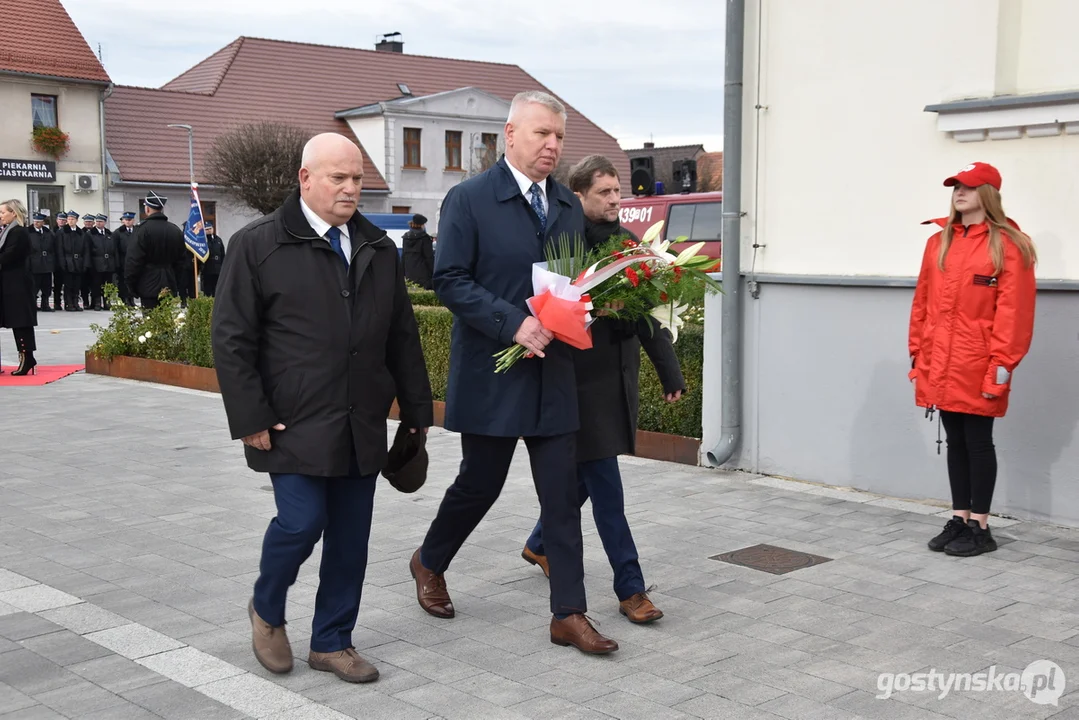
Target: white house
column 853, row 113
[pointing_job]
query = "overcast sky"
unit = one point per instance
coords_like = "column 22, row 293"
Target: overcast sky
column 638, row 69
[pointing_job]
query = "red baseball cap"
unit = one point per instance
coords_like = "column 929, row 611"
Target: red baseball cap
column 975, row 174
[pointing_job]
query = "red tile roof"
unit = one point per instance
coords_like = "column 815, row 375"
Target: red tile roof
column 28, row 44
column 309, row 83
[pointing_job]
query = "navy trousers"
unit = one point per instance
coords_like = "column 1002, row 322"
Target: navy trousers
column 602, row 481
column 337, row 509
column 484, row 466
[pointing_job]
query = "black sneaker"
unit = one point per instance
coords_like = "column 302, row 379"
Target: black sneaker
column 973, row 541
column 953, row 529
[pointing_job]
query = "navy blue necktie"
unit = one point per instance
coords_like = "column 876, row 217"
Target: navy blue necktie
column 537, row 205
column 334, row 236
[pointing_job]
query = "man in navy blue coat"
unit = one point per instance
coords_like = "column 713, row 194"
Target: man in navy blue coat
column 492, row 229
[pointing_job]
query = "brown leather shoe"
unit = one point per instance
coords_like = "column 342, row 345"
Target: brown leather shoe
column 575, row 630
column 639, row 609
column 345, row 664
column 430, row 589
column 270, row 643
column 534, row 559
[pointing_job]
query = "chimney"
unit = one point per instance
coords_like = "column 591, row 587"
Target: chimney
column 649, row 146
column 391, row 42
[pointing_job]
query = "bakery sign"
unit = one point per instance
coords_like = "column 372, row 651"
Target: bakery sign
column 27, row 170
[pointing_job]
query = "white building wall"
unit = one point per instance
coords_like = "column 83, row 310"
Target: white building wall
column 371, row 132
column 849, row 161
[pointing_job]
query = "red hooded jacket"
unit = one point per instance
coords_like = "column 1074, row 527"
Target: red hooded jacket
column 965, row 323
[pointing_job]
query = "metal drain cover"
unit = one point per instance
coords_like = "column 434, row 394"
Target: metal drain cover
column 770, row 559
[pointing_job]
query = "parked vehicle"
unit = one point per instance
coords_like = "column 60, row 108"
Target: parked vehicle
column 697, row 216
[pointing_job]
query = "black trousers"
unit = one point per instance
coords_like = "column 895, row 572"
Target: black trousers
column 97, row 291
column 25, row 340
column 87, row 285
column 209, row 284
column 484, row 466
column 972, row 460
column 58, row 289
column 149, row 303
column 43, row 286
column 72, row 289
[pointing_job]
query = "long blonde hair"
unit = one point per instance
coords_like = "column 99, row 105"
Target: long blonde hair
column 18, row 208
column 999, row 225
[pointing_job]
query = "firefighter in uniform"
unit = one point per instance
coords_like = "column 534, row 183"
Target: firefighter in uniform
column 211, row 269
column 102, row 261
column 158, row 255
column 71, row 252
column 42, row 260
column 58, row 272
column 121, row 238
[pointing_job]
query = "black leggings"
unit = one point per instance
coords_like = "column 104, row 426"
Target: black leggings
column 972, row 460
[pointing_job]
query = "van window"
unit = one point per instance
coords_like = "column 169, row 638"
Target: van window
column 696, row 221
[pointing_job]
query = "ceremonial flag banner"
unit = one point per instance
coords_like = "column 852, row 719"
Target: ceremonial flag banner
column 195, row 230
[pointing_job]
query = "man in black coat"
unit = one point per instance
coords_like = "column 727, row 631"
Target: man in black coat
column 71, row 253
column 122, row 238
column 313, row 337
column 58, row 273
column 103, row 261
column 493, row 227
column 87, row 282
column 42, row 260
column 211, row 269
column 608, row 397
column 417, row 253
column 157, row 256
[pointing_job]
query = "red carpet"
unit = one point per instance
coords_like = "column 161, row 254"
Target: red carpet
column 45, row 374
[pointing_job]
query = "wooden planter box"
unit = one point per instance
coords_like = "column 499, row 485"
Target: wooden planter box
column 656, row 446
column 166, row 373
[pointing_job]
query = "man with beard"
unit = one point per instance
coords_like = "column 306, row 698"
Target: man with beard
column 157, row 256
column 608, row 398
column 42, row 260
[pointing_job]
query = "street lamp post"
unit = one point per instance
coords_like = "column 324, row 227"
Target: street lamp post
column 191, row 148
column 191, row 168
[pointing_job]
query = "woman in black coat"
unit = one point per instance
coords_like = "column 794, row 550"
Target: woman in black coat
column 17, row 309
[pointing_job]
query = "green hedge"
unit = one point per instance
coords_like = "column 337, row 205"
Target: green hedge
column 423, row 298
column 183, row 335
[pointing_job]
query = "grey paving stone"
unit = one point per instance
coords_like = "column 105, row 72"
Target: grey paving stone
column 37, row 712
column 23, row 625
column 31, row 674
column 173, row 701
column 12, row 700
column 65, row 648
column 116, row 674
column 79, row 698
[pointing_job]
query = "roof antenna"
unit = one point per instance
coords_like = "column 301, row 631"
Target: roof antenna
column 100, row 57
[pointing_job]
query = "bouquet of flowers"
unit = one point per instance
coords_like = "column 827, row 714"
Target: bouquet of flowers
column 627, row 279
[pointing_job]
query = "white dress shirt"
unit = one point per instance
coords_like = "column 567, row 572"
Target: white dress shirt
column 322, row 227
column 526, row 186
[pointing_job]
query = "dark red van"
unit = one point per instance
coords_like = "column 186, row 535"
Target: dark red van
column 697, row 216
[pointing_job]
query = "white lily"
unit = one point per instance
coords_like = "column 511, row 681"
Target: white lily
column 688, row 253
column 670, row 316
column 652, row 233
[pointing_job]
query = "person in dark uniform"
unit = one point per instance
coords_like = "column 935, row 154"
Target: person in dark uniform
column 121, row 238
column 87, row 286
column 71, row 254
column 102, row 261
column 42, row 260
column 211, row 269
column 58, row 272
column 158, row 256
column 417, row 253
column 608, row 397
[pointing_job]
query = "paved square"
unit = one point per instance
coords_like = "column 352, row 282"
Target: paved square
column 130, row 532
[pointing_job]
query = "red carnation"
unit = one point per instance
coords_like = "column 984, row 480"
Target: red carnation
column 677, row 274
column 663, row 297
column 628, row 244
column 617, row 256
column 647, row 270
column 633, row 279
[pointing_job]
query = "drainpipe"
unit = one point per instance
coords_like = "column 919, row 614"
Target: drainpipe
column 731, row 358
column 104, row 163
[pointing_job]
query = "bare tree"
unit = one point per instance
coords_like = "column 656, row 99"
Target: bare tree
column 259, row 162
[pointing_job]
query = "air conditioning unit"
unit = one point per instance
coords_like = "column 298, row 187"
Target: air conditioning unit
column 86, row 182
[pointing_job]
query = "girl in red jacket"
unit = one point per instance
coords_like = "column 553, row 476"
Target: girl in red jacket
column 970, row 325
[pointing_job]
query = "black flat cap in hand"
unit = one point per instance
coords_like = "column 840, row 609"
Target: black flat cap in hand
column 406, row 466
